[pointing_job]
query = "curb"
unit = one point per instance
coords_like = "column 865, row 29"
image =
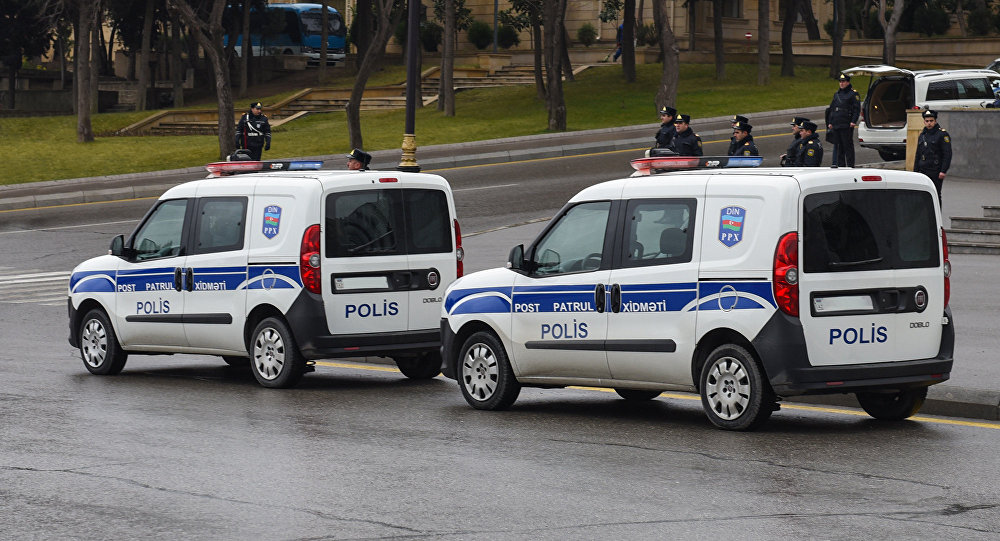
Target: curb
column 942, row 399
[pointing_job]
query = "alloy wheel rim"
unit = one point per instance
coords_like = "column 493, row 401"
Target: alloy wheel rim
column 480, row 372
column 269, row 354
column 95, row 343
column 728, row 388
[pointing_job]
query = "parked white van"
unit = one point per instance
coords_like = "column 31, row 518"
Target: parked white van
column 892, row 90
column 747, row 286
column 274, row 270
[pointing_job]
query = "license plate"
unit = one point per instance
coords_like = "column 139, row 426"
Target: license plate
column 852, row 303
column 361, row 282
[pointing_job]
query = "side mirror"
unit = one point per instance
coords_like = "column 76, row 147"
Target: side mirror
column 515, row 261
column 117, row 247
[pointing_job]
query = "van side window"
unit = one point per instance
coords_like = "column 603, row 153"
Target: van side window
column 428, row 222
column 864, row 230
column 161, row 234
column 658, row 232
column 942, row 90
column 975, row 89
column 221, row 224
column 575, row 243
column 362, row 223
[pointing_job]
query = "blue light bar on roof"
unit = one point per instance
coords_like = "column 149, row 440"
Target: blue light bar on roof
column 304, row 166
column 745, row 161
column 233, row 168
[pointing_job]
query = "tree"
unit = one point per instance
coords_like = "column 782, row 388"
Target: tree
column 628, row 41
column 446, row 90
column 88, row 19
column 889, row 27
column 528, row 14
column 838, row 37
column 25, row 30
column 553, row 15
column 764, row 42
column 387, row 18
column 666, row 94
column 204, row 21
column 147, row 35
column 720, row 53
column 787, row 26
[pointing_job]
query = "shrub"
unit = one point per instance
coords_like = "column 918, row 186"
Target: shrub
column 507, row 37
column 980, row 21
column 480, row 34
column 431, row 35
column 931, row 19
column 647, row 35
column 586, row 34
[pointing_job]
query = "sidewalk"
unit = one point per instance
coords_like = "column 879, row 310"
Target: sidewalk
column 973, row 390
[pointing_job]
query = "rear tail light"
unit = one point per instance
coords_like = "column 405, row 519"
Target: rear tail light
column 947, row 267
column 309, row 260
column 786, row 274
column 459, row 252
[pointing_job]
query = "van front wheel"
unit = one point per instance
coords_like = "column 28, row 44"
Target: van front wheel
column 424, row 366
column 893, row 406
column 734, row 393
column 484, row 373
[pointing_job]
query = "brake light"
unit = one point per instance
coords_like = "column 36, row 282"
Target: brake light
column 459, row 252
column 786, row 274
column 388, row 179
column 947, row 267
column 309, row 260
column 871, row 178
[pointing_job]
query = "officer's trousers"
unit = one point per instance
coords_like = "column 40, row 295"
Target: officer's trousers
column 255, row 151
column 843, row 144
column 934, row 175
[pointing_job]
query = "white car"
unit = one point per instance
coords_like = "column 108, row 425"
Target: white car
column 892, row 90
column 746, row 286
column 274, row 270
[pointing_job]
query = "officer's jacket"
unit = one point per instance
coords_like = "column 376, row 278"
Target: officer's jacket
column 745, row 147
column 253, row 131
column 844, row 108
column 934, row 150
column 809, row 152
column 687, row 143
column 792, row 151
column 666, row 134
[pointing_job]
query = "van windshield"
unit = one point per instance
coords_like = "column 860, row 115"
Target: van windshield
column 862, row 230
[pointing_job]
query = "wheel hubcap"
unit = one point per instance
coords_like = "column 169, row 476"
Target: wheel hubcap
column 94, row 342
column 269, row 354
column 480, row 373
column 728, row 388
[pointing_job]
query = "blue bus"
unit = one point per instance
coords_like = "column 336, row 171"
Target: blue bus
column 295, row 29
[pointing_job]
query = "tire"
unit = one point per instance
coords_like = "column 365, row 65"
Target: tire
column 637, row 395
column 236, row 362
column 275, row 358
column 423, row 366
column 734, row 392
column 99, row 348
column 484, row 373
column 892, row 155
column 893, row 406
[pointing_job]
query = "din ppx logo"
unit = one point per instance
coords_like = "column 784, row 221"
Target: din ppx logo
column 731, row 224
column 272, row 220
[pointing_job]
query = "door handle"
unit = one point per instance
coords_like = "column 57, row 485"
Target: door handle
column 616, row 298
column 190, row 279
column 177, row 278
column 599, row 298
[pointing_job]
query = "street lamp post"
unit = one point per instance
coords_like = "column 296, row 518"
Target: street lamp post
column 408, row 161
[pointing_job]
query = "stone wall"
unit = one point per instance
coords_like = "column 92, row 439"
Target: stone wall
column 975, row 138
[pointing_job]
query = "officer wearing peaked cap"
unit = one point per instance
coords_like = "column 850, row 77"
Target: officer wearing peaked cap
column 667, row 131
column 788, row 158
column 809, row 152
column 841, row 118
column 744, row 141
column 358, row 160
column 733, row 143
column 254, row 131
column 933, row 151
column 687, row 142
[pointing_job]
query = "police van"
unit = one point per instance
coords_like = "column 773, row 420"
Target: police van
column 274, row 270
column 745, row 285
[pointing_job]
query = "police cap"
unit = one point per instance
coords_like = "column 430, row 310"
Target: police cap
column 929, row 114
column 667, row 110
column 739, row 118
column 360, row 155
column 684, row 118
column 844, row 77
column 798, row 120
column 742, row 126
column 811, row 126
column 256, row 105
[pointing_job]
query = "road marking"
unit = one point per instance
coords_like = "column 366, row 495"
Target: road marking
column 680, row 396
column 81, row 204
column 484, row 187
column 67, row 226
column 46, row 288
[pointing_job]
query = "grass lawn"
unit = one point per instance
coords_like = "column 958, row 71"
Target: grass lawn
column 45, row 148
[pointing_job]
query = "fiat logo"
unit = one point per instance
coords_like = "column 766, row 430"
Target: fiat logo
column 433, row 279
column 920, row 299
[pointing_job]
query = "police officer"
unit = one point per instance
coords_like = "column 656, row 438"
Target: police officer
column 733, row 143
column 686, row 142
column 809, row 152
column 744, row 141
column 933, row 151
column 841, row 118
column 358, row 160
column 788, row 158
column 254, row 131
column 667, row 129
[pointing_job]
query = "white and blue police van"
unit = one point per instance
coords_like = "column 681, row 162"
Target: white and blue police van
column 746, row 285
column 275, row 270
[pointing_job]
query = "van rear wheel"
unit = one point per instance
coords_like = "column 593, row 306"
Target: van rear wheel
column 893, row 406
column 275, row 358
column 891, row 155
column 734, row 392
column 637, row 395
column 484, row 373
column 424, row 366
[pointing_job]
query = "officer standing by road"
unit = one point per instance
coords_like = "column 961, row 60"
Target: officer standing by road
column 667, row 129
column 809, row 152
column 744, row 141
column 687, row 142
column 358, row 160
column 841, row 118
column 788, row 158
column 254, row 131
column 933, row 151
column 733, row 143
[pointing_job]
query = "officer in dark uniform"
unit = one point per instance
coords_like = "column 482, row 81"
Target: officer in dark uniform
column 809, row 152
column 841, row 118
column 744, row 141
column 933, row 151
column 358, row 160
column 788, row 158
column 667, row 129
column 254, row 131
column 687, row 142
column 733, row 143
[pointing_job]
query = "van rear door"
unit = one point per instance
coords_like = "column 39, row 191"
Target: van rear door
column 429, row 217
column 871, row 285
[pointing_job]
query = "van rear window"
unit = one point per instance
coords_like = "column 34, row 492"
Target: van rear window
column 864, row 230
column 387, row 222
